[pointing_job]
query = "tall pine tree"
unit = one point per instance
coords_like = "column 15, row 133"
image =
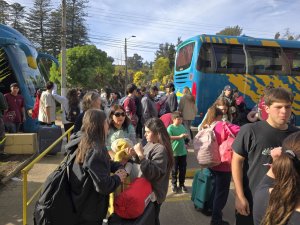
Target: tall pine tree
column 76, row 29
column 54, row 42
column 38, row 23
column 17, row 15
column 4, row 12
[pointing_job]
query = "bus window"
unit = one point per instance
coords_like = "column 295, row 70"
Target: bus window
column 230, row 58
column 293, row 57
column 266, row 60
column 206, row 62
column 184, row 56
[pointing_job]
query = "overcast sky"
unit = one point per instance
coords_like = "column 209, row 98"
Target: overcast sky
column 159, row 21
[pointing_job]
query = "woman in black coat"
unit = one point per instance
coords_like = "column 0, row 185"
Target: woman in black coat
column 90, row 178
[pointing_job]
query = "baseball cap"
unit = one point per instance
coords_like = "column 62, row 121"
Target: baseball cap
column 14, row 85
column 227, row 87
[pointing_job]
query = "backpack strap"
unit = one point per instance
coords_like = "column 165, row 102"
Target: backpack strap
column 225, row 126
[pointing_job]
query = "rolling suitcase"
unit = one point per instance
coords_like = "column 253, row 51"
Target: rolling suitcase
column 201, row 188
column 147, row 218
column 47, row 135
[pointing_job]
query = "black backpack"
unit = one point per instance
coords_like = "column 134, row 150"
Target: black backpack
column 73, row 113
column 55, row 204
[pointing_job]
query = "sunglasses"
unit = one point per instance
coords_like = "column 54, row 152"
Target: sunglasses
column 118, row 114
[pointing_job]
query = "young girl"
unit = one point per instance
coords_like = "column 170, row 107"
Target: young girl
column 156, row 160
column 91, row 182
column 222, row 172
column 277, row 197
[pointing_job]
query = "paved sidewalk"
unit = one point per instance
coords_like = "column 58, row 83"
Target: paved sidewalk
column 178, row 208
column 11, row 192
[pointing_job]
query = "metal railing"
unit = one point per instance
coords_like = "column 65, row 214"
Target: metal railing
column 29, row 167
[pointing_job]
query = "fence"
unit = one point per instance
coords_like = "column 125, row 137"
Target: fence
column 29, row 167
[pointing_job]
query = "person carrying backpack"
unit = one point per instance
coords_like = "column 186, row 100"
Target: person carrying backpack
column 222, row 172
column 93, row 167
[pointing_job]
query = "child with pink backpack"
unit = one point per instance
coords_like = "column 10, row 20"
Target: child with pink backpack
column 221, row 139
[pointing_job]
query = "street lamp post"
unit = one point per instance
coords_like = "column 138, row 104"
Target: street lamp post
column 126, row 74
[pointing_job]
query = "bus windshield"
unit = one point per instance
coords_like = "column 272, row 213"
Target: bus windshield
column 184, row 57
column 32, row 77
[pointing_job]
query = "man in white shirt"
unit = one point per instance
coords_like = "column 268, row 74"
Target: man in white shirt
column 47, row 106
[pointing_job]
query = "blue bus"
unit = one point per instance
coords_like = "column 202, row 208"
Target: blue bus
column 206, row 63
column 20, row 62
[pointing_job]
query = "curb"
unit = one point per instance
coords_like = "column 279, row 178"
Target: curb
column 17, row 169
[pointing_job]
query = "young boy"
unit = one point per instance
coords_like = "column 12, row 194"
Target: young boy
column 252, row 147
column 177, row 134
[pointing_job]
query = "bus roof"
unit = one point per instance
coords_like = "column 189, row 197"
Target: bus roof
column 240, row 40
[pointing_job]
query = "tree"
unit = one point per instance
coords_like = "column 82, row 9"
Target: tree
column 54, row 41
column 87, row 67
column 135, row 62
column 76, row 30
column 179, row 41
column 168, row 51
column 287, row 35
column 161, row 68
column 4, row 12
column 38, row 23
column 231, row 31
column 139, row 78
column 17, row 15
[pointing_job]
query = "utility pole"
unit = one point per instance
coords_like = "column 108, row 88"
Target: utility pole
column 63, row 50
column 126, row 76
column 126, row 73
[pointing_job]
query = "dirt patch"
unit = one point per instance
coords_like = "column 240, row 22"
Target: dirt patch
column 9, row 163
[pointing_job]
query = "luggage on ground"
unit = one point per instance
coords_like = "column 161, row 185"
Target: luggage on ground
column 47, row 135
column 201, row 188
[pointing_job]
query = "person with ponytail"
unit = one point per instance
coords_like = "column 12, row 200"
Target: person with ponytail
column 277, row 198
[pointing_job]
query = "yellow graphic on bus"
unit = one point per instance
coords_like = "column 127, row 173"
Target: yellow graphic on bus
column 253, row 86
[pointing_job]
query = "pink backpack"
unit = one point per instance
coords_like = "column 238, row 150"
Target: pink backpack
column 225, row 148
column 206, row 147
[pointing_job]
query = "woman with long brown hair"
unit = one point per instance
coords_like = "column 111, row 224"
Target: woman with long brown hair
column 221, row 173
column 220, row 106
column 277, row 198
column 90, row 177
column 156, row 159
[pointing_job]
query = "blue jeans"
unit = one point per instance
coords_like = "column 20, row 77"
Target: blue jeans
column 11, row 127
column 219, row 193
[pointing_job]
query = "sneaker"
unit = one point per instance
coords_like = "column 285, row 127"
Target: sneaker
column 174, row 189
column 183, row 189
column 222, row 222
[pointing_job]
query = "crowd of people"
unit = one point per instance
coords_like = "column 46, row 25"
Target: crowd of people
column 159, row 134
